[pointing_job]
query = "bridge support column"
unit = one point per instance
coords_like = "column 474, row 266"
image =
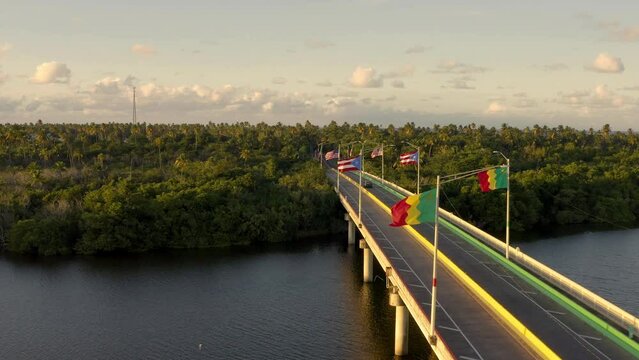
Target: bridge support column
column 351, row 229
column 368, row 261
column 401, row 322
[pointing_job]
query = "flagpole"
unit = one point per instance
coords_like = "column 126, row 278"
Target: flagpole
column 359, row 201
column 417, row 148
column 321, row 157
column 507, row 202
column 508, row 208
column 433, row 301
column 418, row 161
column 382, row 161
column 338, row 150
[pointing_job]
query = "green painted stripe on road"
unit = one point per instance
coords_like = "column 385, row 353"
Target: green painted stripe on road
column 598, row 324
column 591, row 319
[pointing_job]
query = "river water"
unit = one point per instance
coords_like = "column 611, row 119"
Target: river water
column 286, row 301
column 606, row 262
column 295, row 301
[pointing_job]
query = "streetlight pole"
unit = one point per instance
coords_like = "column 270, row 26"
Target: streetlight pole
column 507, row 203
column 433, row 301
column 382, row 161
column 418, row 161
column 359, row 201
column 338, row 151
column 321, row 154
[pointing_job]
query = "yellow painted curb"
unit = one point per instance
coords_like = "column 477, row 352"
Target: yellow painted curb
column 487, row 300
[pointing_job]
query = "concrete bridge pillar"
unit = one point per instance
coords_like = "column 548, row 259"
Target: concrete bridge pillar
column 368, row 261
column 401, row 322
column 351, row 229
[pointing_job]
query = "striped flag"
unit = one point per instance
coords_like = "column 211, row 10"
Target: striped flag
column 349, row 164
column 493, row 179
column 415, row 209
column 410, row 158
column 330, row 155
column 377, row 152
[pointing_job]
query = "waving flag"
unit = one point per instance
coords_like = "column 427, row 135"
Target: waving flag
column 377, row 152
column 349, row 164
column 410, row 158
column 493, row 179
column 330, row 155
column 415, row 209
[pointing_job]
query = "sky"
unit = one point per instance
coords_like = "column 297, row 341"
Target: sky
column 488, row 62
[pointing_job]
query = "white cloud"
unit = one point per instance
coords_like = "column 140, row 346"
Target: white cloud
column 605, row 63
column 615, row 30
column 4, row 48
column 143, row 49
column 279, row 80
column 416, row 49
column 318, row 44
column 460, row 83
column 50, row 73
column 495, row 107
column 524, row 103
column 405, row 71
column 130, row 80
column 599, row 97
column 267, row 107
column 108, row 85
column 454, row 67
column 365, row 77
column 627, row 34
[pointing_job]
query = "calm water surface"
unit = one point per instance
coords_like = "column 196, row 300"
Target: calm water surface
column 284, row 301
column 605, row 262
column 280, row 302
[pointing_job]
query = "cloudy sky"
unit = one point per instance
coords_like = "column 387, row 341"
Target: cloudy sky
column 490, row 62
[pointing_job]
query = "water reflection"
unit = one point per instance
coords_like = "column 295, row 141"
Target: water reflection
column 604, row 262
column 290, row 301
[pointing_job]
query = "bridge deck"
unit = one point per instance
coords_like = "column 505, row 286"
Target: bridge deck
column 470, row 330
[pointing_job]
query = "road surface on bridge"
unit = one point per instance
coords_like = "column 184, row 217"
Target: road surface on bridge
column 471, row 331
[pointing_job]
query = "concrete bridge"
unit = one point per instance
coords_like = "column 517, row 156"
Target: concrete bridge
column 488, row 307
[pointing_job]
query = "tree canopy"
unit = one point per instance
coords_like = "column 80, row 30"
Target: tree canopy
column 96, row 188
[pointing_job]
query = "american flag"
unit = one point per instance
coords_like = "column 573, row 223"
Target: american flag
column 330, row 155
column 377, row 152
column 349, row 164
column 410, row 158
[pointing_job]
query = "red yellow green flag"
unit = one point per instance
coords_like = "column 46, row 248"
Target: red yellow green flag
column 415, row 209
column 493, row 179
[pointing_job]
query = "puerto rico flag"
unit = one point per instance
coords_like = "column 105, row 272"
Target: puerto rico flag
column 349, row 164
column 330, row 155
column 410, row 158
column 377, row 152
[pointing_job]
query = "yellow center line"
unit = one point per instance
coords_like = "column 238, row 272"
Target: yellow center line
column 512, row 323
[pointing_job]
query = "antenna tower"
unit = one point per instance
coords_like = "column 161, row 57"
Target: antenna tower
column 135, row 114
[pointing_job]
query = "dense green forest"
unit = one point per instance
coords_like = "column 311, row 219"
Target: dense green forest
column 97, row 188
column 118, row 187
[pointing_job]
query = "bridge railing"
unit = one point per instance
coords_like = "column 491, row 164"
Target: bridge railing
column 611, row 311
column 439, row 348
